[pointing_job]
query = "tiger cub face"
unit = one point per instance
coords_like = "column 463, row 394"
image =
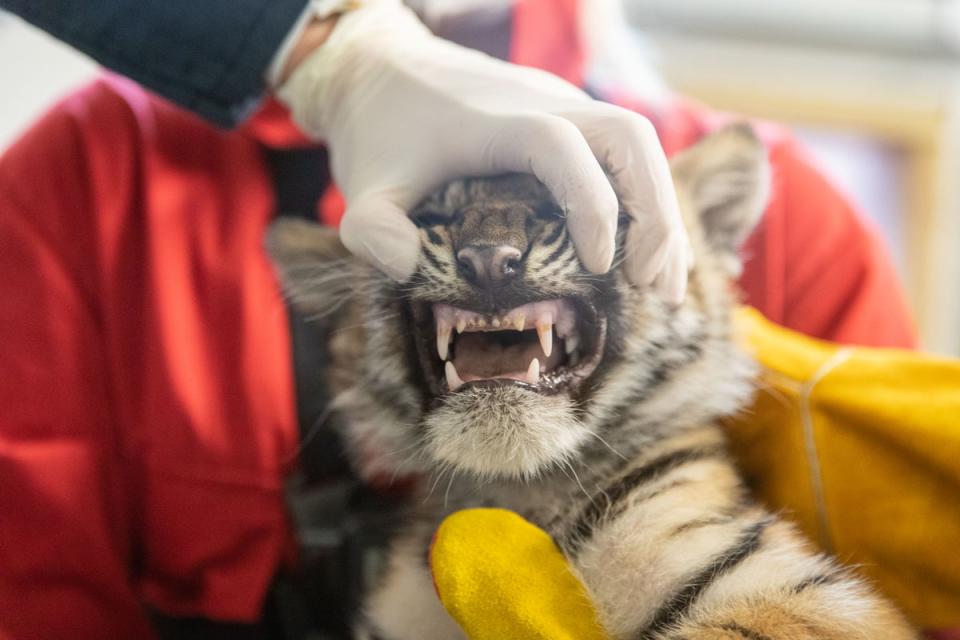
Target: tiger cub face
column 502, row 356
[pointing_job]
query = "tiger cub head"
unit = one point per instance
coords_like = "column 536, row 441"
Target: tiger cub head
column 502, row 356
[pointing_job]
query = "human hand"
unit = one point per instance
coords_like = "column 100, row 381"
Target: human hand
column 403, row 112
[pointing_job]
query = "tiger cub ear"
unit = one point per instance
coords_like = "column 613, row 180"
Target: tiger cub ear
column 724, row 181
column 314, row 267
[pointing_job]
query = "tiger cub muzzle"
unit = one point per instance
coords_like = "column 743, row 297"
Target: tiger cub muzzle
column 501, row 328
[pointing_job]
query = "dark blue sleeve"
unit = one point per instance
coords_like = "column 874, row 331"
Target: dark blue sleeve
column 209, row 56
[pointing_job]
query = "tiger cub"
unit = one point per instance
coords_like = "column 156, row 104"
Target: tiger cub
column 504, row 374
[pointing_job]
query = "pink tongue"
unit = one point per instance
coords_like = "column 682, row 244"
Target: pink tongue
column 478, row 357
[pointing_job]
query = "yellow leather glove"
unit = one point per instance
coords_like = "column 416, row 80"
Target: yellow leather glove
column 501, row 577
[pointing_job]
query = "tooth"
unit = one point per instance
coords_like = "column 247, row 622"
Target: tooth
column 461, row 324
column 571, row 342
column 453, row 380
column 519, row 322
column 481, row 322
column 533, row 371
column 496, row 323
column 443, row 339
column 566, row 319
column 545, row 332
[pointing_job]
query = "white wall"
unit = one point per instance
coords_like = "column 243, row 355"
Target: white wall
column 36, row 71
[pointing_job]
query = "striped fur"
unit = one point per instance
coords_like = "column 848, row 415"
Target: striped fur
column 629, row 474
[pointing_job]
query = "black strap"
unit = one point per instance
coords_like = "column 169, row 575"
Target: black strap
column 341, row 526
column 308, row 600
column 321, row 451
column 300, row 176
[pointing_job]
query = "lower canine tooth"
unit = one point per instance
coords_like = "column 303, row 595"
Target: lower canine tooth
column 533, row 371
column 545, row 333
column 443, row 341
column 453, row 380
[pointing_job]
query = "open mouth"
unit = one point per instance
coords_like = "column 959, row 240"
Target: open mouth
column 546, row 346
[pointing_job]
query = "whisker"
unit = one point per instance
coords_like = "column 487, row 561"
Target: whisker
column 569, row 466
column 606, row 444
column 436, row 481
column 311, row 433
column 446, row 494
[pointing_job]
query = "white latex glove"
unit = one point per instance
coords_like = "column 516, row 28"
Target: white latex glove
column 403, row 112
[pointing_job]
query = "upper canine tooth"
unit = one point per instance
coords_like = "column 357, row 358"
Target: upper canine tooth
column 545, row 333
column 443, row 340
column 453, row 380
column 519, row 322
column 533, row 371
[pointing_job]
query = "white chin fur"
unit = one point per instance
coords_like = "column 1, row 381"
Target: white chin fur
column 503, row 432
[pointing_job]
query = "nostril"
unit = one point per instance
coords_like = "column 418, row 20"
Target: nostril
column 511, row 264
column 506, row 261
column 489, row 266
column 469, row 263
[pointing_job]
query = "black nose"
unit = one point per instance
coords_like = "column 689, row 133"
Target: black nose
column 489, row 267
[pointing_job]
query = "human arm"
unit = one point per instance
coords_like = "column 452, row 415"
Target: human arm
column 209, row 57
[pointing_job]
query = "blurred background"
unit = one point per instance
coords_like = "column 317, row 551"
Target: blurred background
column 872, row 86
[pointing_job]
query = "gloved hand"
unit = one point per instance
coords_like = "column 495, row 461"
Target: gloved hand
column 403, row 111
column 499, row 576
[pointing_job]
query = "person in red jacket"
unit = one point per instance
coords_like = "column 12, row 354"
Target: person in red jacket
column 149, row 416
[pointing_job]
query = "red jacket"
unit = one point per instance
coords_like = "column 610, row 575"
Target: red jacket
column 148, row 407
